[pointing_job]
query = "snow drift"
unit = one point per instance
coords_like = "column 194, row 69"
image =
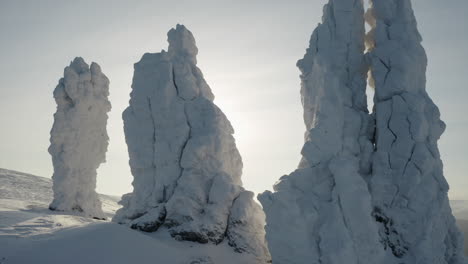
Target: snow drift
column 186, row 167
column 79, row 138
column 369, row 188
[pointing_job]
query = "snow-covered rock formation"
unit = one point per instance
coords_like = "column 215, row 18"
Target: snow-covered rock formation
column 408, row 186
column 321, row 212
column 369, row 188
column 186, row 167
column 79, row 138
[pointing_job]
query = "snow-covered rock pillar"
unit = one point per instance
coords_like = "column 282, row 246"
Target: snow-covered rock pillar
column 79, row 138
column 186, row 167
column 408, row 186
column 321, row 213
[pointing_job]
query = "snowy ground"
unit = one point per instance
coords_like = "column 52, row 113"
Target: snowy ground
column 30, row 233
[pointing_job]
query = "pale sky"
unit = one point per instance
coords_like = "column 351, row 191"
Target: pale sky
column 247, row 52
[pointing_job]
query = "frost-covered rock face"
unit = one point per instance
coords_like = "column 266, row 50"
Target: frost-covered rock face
column 321, row 212
column 369, row 188
column 186, row 167
column 408, row 186
column 79, row 138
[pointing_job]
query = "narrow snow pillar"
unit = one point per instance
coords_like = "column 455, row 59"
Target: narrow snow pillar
column 408, row 186
column 321, row 213
column 79, row 138
column 183, row 157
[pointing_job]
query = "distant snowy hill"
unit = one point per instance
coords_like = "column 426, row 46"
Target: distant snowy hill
column 30, row 233
column 460, row 211
column 26, row 187
column 463, row 225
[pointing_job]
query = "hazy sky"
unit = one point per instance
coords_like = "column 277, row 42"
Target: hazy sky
column 247, row 51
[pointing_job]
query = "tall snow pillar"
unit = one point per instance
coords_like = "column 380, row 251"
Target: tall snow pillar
column 79, row 138
column 408, row 186
column 321, row 213
column 183, row 157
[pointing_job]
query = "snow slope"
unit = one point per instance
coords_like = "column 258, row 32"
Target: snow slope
column 30, row 233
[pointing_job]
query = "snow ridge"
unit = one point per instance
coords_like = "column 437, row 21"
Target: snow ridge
column 79, row 138
column 186, row 167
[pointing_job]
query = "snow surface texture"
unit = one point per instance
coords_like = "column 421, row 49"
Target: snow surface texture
column 79, row 138
column 186, row 167
column 30, row 233
column 369, row 188
column 408, row 186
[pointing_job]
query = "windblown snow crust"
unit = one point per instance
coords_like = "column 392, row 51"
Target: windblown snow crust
column 186, row 167
column 369, row 188
column 79, row 138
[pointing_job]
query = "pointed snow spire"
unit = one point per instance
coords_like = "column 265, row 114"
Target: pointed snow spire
column 320, row 213
column 79, row 138
column 186, row 167
column 408, row 186
column 182, row 43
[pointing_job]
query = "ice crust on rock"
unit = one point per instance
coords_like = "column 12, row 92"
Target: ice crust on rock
column 183, row 157
column 79, row 138
column 408, row 186
column 369, row 188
